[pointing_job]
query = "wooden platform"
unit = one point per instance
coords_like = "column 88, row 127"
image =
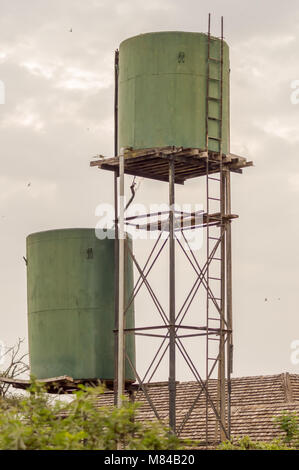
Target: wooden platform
column 63, row 384
column 59, row 385
column 189, row 163
column 184, row 221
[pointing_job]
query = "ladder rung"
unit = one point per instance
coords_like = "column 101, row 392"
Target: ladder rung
column 213, row 339
column 212, row 318
column 215, row 79
column 213, row 99
column 212, row 358
column 214, row 198
column 215, row 278
column 214, row 298
column 214, row 238
column 215, row 179
column 214, row 118
column 214, row 138
column 214, row 59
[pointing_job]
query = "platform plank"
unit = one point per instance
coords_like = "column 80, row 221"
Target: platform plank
column 189, row 163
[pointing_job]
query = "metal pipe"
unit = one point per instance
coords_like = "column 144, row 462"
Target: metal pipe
column 116, row 62
column 116, row 268
column 116, row 225
column 229, row 300
column 221, row 376
column 121, row 287
column 223, row 264
column 172, row 332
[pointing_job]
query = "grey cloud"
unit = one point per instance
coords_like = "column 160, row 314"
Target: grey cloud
column 77, row 123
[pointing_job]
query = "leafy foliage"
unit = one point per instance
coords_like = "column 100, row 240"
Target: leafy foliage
column 288, row 423
column 32, row 422
column 245, row 443
column 37, row 422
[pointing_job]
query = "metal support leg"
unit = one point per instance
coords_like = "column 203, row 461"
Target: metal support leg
column 121, row 289
column 229, row 301
column 116, row 267
column 116, row 251
column 222, row 324
column 172, row 368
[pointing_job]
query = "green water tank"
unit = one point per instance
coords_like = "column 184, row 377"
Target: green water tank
column 163, row 90
column 70, row 285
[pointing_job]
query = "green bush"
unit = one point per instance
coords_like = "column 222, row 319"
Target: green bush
column 245, row 443
column 288, row 423
column 35, row 422
column 32, row 422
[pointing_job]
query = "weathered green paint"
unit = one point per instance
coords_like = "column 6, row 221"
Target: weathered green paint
column 162, row 91
column 70, row 279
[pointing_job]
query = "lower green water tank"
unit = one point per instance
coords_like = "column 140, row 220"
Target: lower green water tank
column 70, row 288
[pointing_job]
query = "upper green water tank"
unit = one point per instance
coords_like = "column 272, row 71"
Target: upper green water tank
column 70, row 285
column 163, row 88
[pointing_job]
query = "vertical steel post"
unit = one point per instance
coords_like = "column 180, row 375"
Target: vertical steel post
column 229, row 300
column 172, row 365
column 115, row 226
column 223, row 312
column 223, row 262
column 116, row 62
column 116, row 267
column 121, row 287
column 208, row 229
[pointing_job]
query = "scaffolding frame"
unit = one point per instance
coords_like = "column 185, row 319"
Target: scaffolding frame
column 182, row 164
column 171, row 331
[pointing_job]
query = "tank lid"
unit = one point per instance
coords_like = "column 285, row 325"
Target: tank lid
column 154, row 33
column 70, row 232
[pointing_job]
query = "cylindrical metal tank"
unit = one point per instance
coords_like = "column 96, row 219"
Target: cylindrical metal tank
column 163, row 89
column 70, row 285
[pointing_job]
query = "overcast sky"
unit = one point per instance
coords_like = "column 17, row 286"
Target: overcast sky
column 58, row 113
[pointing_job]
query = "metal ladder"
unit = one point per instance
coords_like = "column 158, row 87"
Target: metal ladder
column 215, row 242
